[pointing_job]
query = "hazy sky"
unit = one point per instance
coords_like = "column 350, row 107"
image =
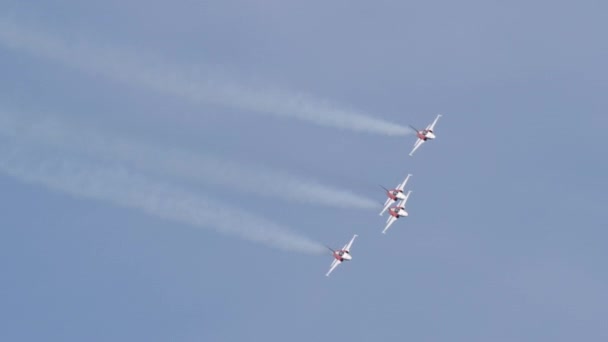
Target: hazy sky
column 171, row 170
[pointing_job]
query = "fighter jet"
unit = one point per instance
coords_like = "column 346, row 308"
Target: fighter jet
column 341, row 255
column 424, row 135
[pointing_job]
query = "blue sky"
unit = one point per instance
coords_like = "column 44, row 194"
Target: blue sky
column 505, row 239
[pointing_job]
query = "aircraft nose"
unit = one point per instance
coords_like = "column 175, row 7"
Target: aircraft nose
column 430, row 135
column 347, row 256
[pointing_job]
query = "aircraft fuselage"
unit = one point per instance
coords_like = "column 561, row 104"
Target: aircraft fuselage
column 397, row 212
column 395, row 194
column 342, row 255
column 425, row 135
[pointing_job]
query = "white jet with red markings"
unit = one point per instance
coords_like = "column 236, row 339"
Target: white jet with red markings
column 340, row 255
column 394, row 194
column 397, row 212
column 425, row 134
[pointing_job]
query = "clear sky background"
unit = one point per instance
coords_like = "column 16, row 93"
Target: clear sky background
column 506, row 239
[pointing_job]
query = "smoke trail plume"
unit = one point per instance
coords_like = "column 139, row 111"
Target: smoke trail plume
column 178, row 163
column 121, row 187
column 200, row 85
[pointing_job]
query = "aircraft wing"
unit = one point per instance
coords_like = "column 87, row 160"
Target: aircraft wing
column 387, row 205
column 431, row 127
column 402, row 185
column 334, row 264
column 348, row 245
column 416, row 145
column 390, row 221
column 403, row 201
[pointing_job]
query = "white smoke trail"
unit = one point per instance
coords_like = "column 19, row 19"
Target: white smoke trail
column 184, row 165
column 121, row 187
column 201, row 84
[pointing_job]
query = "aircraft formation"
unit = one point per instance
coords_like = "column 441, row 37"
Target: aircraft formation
column 393, row 196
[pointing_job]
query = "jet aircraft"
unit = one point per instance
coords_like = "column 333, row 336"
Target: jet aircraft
column 341, row 255
column 424, row 135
